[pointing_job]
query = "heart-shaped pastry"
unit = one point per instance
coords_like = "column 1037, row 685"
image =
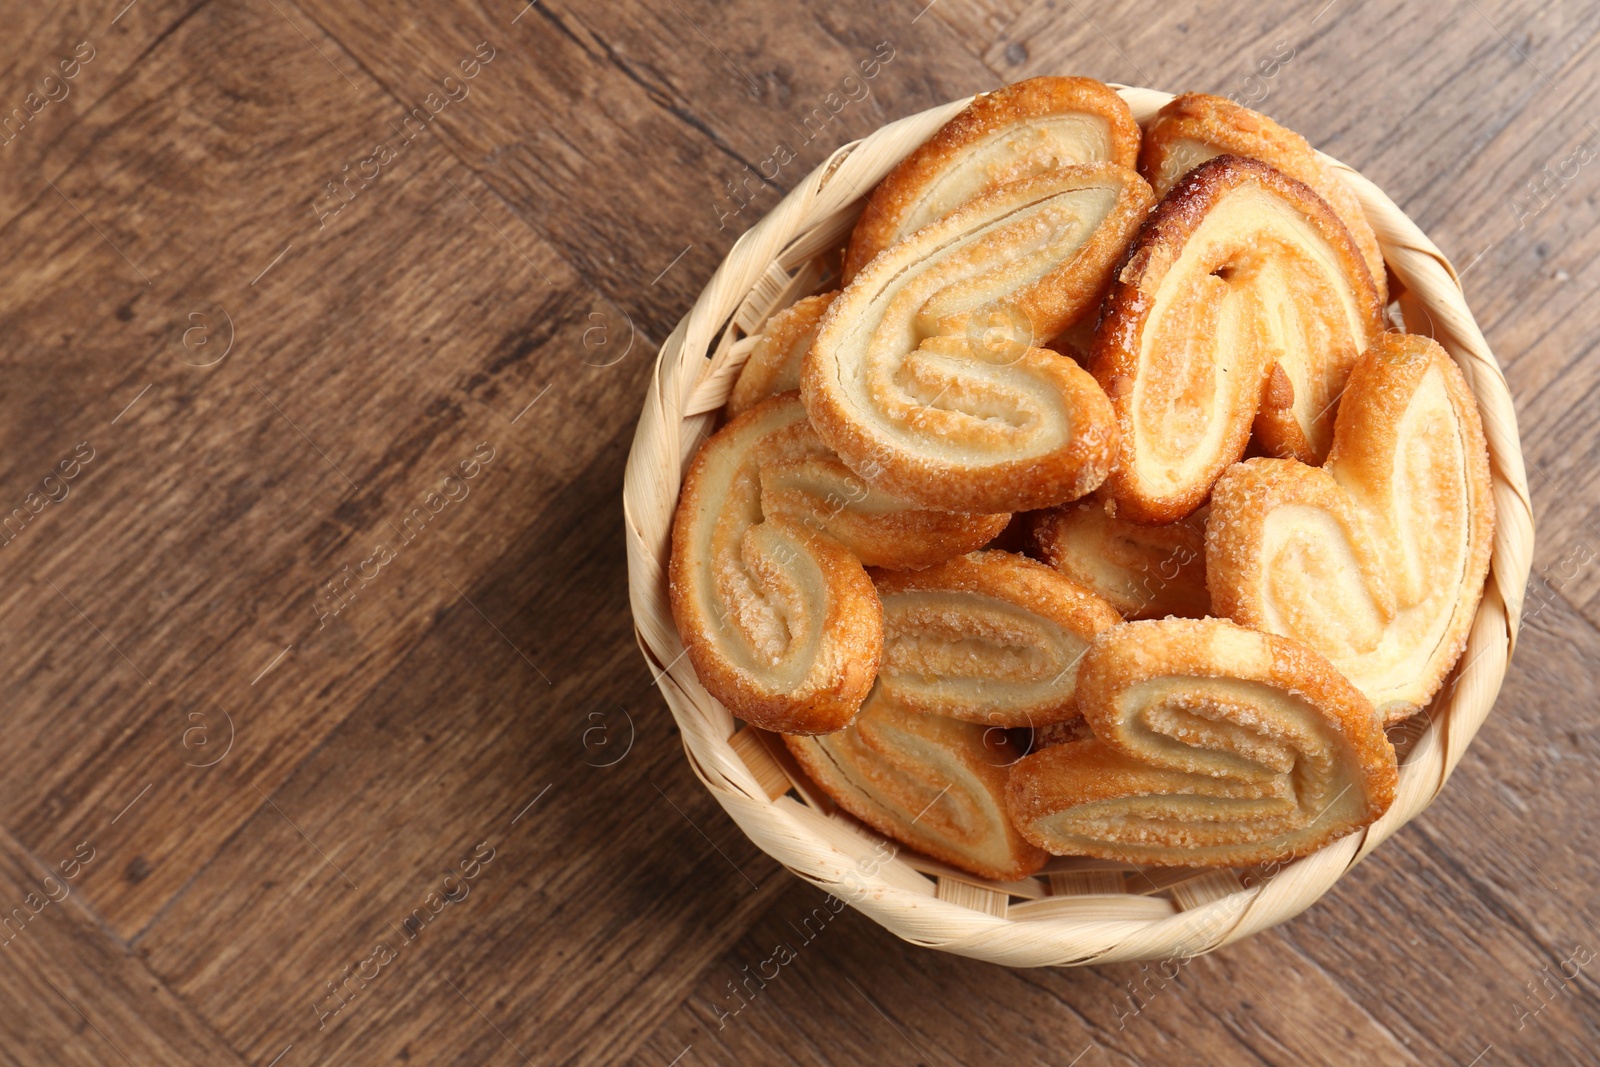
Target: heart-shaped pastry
column 774, row 363
column 1194, row 127
column 933, row 783
column 1145, row 572
column 1029, row 128
column 1243, row 301
column 1213, row 745
column 1376, row 559
column 990, row 638
column 779, row 617
column 926, row 377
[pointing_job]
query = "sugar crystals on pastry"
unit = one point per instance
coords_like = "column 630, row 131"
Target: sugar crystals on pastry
column 1145, row 572
column 1019, row 131
column 774, row 363
column 781, row 623
column 991, row 638
column 813, row 486
column 881, row 529
column 779, row 617
column 1377, row 559
column 930, row 782
column 1243, row 303
column 926, row 376
column 1213, row 745
column 1194, row 127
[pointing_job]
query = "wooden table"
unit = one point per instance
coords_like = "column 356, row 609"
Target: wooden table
column 327, row 739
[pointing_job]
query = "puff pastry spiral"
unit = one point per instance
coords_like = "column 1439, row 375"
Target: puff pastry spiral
column 933, row 783
column 926, row 377
column 1025, row 129
column 1196, row 126
column 879, row 528
column 781, row 623
column 1377, row 559
column 768, row 590
column 991, row 638
column 1213, row 745
column 1243, row 301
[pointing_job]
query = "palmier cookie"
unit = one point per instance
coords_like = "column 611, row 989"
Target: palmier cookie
column 1213, row 745
column 935, row 784
column 1029, row 128
column 1194, row 127
column 1377, row 559
column 781, row 623
column 1145, row 572
column 990, row 638
column 1243, row 301
column 926, row 377
column 882, row 530
column 774, row 363
column 780, row 620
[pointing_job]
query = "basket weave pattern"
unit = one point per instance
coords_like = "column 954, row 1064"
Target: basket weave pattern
column 1078, row 911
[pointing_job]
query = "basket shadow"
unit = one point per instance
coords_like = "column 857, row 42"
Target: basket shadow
column 634, row 817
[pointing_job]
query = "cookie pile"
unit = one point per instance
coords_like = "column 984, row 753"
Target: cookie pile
column 1100, row 511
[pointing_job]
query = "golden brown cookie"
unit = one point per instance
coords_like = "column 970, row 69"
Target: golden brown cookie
column 926, row 377
column 1243, row 302
column 1145, row 572
column 1029, row 128
column 1377, row 559
column 1213, row 745
column 990, row 638
column 1194, row 127
column 774, row 363
column 935, row 784
column 881, row 529
column 781, row 622
column 768, row 591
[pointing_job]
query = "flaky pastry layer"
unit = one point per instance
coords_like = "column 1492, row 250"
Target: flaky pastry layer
column 879, row 528
column 774, row 363
column 1194, row 127
column 1145, row 572
column 781, row 622
column 991, row 638
column 1026, row 129
column 1377, row 559
column 935, row 784
column 1213, row 745
column 926, row 377
column 766, row 579
column 1243, row 302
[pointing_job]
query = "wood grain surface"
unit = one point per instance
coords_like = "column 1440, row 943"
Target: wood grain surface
column 325, row 327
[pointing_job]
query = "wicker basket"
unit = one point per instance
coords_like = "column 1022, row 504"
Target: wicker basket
column 1078, row 911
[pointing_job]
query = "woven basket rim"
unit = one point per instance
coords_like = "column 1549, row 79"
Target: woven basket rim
column 766, row 265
